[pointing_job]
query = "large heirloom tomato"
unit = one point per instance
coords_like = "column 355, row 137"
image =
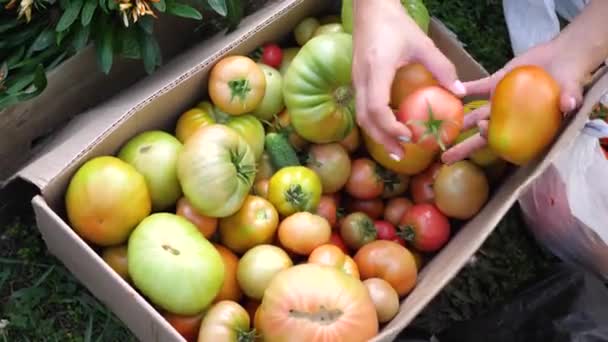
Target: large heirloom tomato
column 106, row 199
column 255, row 223
column 525, row 114
column 317, row 89
column 293, row 189
column 248, row 126
column 415, row 160
column 237, row 85
column 331, row 255
column 193, row 119
column 216, row 169
column 226, row 321
column 310, row 302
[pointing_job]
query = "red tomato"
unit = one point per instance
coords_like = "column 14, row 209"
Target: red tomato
column 387, row 231
column 272, row 55
column 187, row 326
column 328, row 209
column 408, row 79
column 434, row 115
column 425, row 227
column 336, row 240
column 205, row 224
column 373, row 208
column 421, row 185
column 364, row 181
column 395, row 209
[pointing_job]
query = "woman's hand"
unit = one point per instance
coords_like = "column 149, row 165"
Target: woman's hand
column 385, row 39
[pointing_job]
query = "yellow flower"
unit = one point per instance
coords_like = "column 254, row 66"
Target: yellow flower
column 135, row 9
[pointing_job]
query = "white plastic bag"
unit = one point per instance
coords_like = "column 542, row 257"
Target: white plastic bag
column 532, row 22
column 566, row 208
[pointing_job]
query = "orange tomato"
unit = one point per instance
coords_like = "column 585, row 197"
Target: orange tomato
column 390, row 261
column 415, row 160
column 407, row 79
column 333, row 256
column 192, row 120
column 205, row 224
column 353, row 140
column 385, row 298
column 236, row 85
column 302, row 232
column 525, row 114
column 230, row 288
column 187, row 326
column 116, row 258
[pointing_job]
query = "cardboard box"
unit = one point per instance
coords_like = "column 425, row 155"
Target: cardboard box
column 157, row 101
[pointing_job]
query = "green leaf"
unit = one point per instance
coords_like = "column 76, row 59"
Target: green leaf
column 16, row 56
column 104, row 6
column 20, row 82
column 43, row 41
column 62, row 56
column 219, row 6
column 161, row 5
column 7, row 100
column 150, row 52
column 147, row 24
column 105, row 48
column 184, row 11
column 129, row 47
column 11, row 23
column 70, row 15
column 81, row 37
column 60, row 36
column 87, row 11
column 235, row 13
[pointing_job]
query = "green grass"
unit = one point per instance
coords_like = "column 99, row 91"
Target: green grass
column 41, row 301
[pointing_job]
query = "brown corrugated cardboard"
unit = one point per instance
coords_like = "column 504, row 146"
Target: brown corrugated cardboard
column 157, row 101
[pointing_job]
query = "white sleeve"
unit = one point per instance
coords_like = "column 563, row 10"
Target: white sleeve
column 530, row 22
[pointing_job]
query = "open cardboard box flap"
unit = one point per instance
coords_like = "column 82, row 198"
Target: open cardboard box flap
column 156, row 102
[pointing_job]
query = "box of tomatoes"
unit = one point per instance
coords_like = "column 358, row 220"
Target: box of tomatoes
column 232, row 196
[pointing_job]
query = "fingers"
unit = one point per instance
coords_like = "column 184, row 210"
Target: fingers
column 482, row 86
column 441, row 67
column 483, row 128
column 570, row 98
column 472, row 118
column 464, row 149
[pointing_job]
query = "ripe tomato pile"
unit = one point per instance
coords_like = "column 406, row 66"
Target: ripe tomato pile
column 265, row 213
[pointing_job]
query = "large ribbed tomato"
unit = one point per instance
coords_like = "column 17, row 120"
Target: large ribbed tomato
column 318, row 90
column 316, row 303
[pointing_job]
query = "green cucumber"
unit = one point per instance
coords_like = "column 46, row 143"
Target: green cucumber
column 280, row 151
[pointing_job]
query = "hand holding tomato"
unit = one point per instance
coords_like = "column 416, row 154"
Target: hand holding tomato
column 378, row 25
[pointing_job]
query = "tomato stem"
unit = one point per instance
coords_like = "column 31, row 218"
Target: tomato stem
column 239, row 88
column 246, row 173
column 368, row 228
column 246, row 335
column 343, row 95
column 406, row 232
column 296, row 196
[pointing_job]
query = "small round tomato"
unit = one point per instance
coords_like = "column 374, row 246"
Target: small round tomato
column 328, row 209
column 425, row 227
column 357, row 229
column 332, row 163
column 390, row 261
column 305, row 29
column 302, row 232
column 386, row 231
column 226, row 321
column 255, row 223
column 293, row 189
column 230, row 287
column 461, row 190
column 421, row 185
column 282, row 123
column 395, row 209
column 373, row 208
column 434, row 116
column 193, row 119
column 207, row 225
column 116, row 258
column 408, row 79
column 272, row 102
column 310, row 302
column 187, row 326
column 385, row 298
column 106, row 199
column 333, row 256
column 337, row 241
column 236, row 85
column 260, row 188
column 364, row 181
column 272, row 55
column 352, row 141
column 258, row 266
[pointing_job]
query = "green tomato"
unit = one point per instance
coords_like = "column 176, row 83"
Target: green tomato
column 328, row 28
column 415, row 8
column 154, row 155
column 305, row 29
column 216, row 169
column 258, row 266
column 173, row 265
column 288, row 56
column 317, row 89
column 272, row 102
column 293, row 189
column 248, row 126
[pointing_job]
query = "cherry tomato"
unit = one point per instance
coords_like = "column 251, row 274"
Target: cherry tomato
column 425, row 227
column 395, row 209
column 364, row 181
column 357, row 229
column 272, row 55
column 434, row 116
column 387, row 231
column 207, row 225
column 328, row 209
column 409, row 78
column 390, row 261
column 187, row 326
column 336, row 240
column 302, row 232
column 373, row 208
column 333, row 256
column 421, row 185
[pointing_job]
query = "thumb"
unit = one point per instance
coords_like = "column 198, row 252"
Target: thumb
column 570, row 98
column 442, row 69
